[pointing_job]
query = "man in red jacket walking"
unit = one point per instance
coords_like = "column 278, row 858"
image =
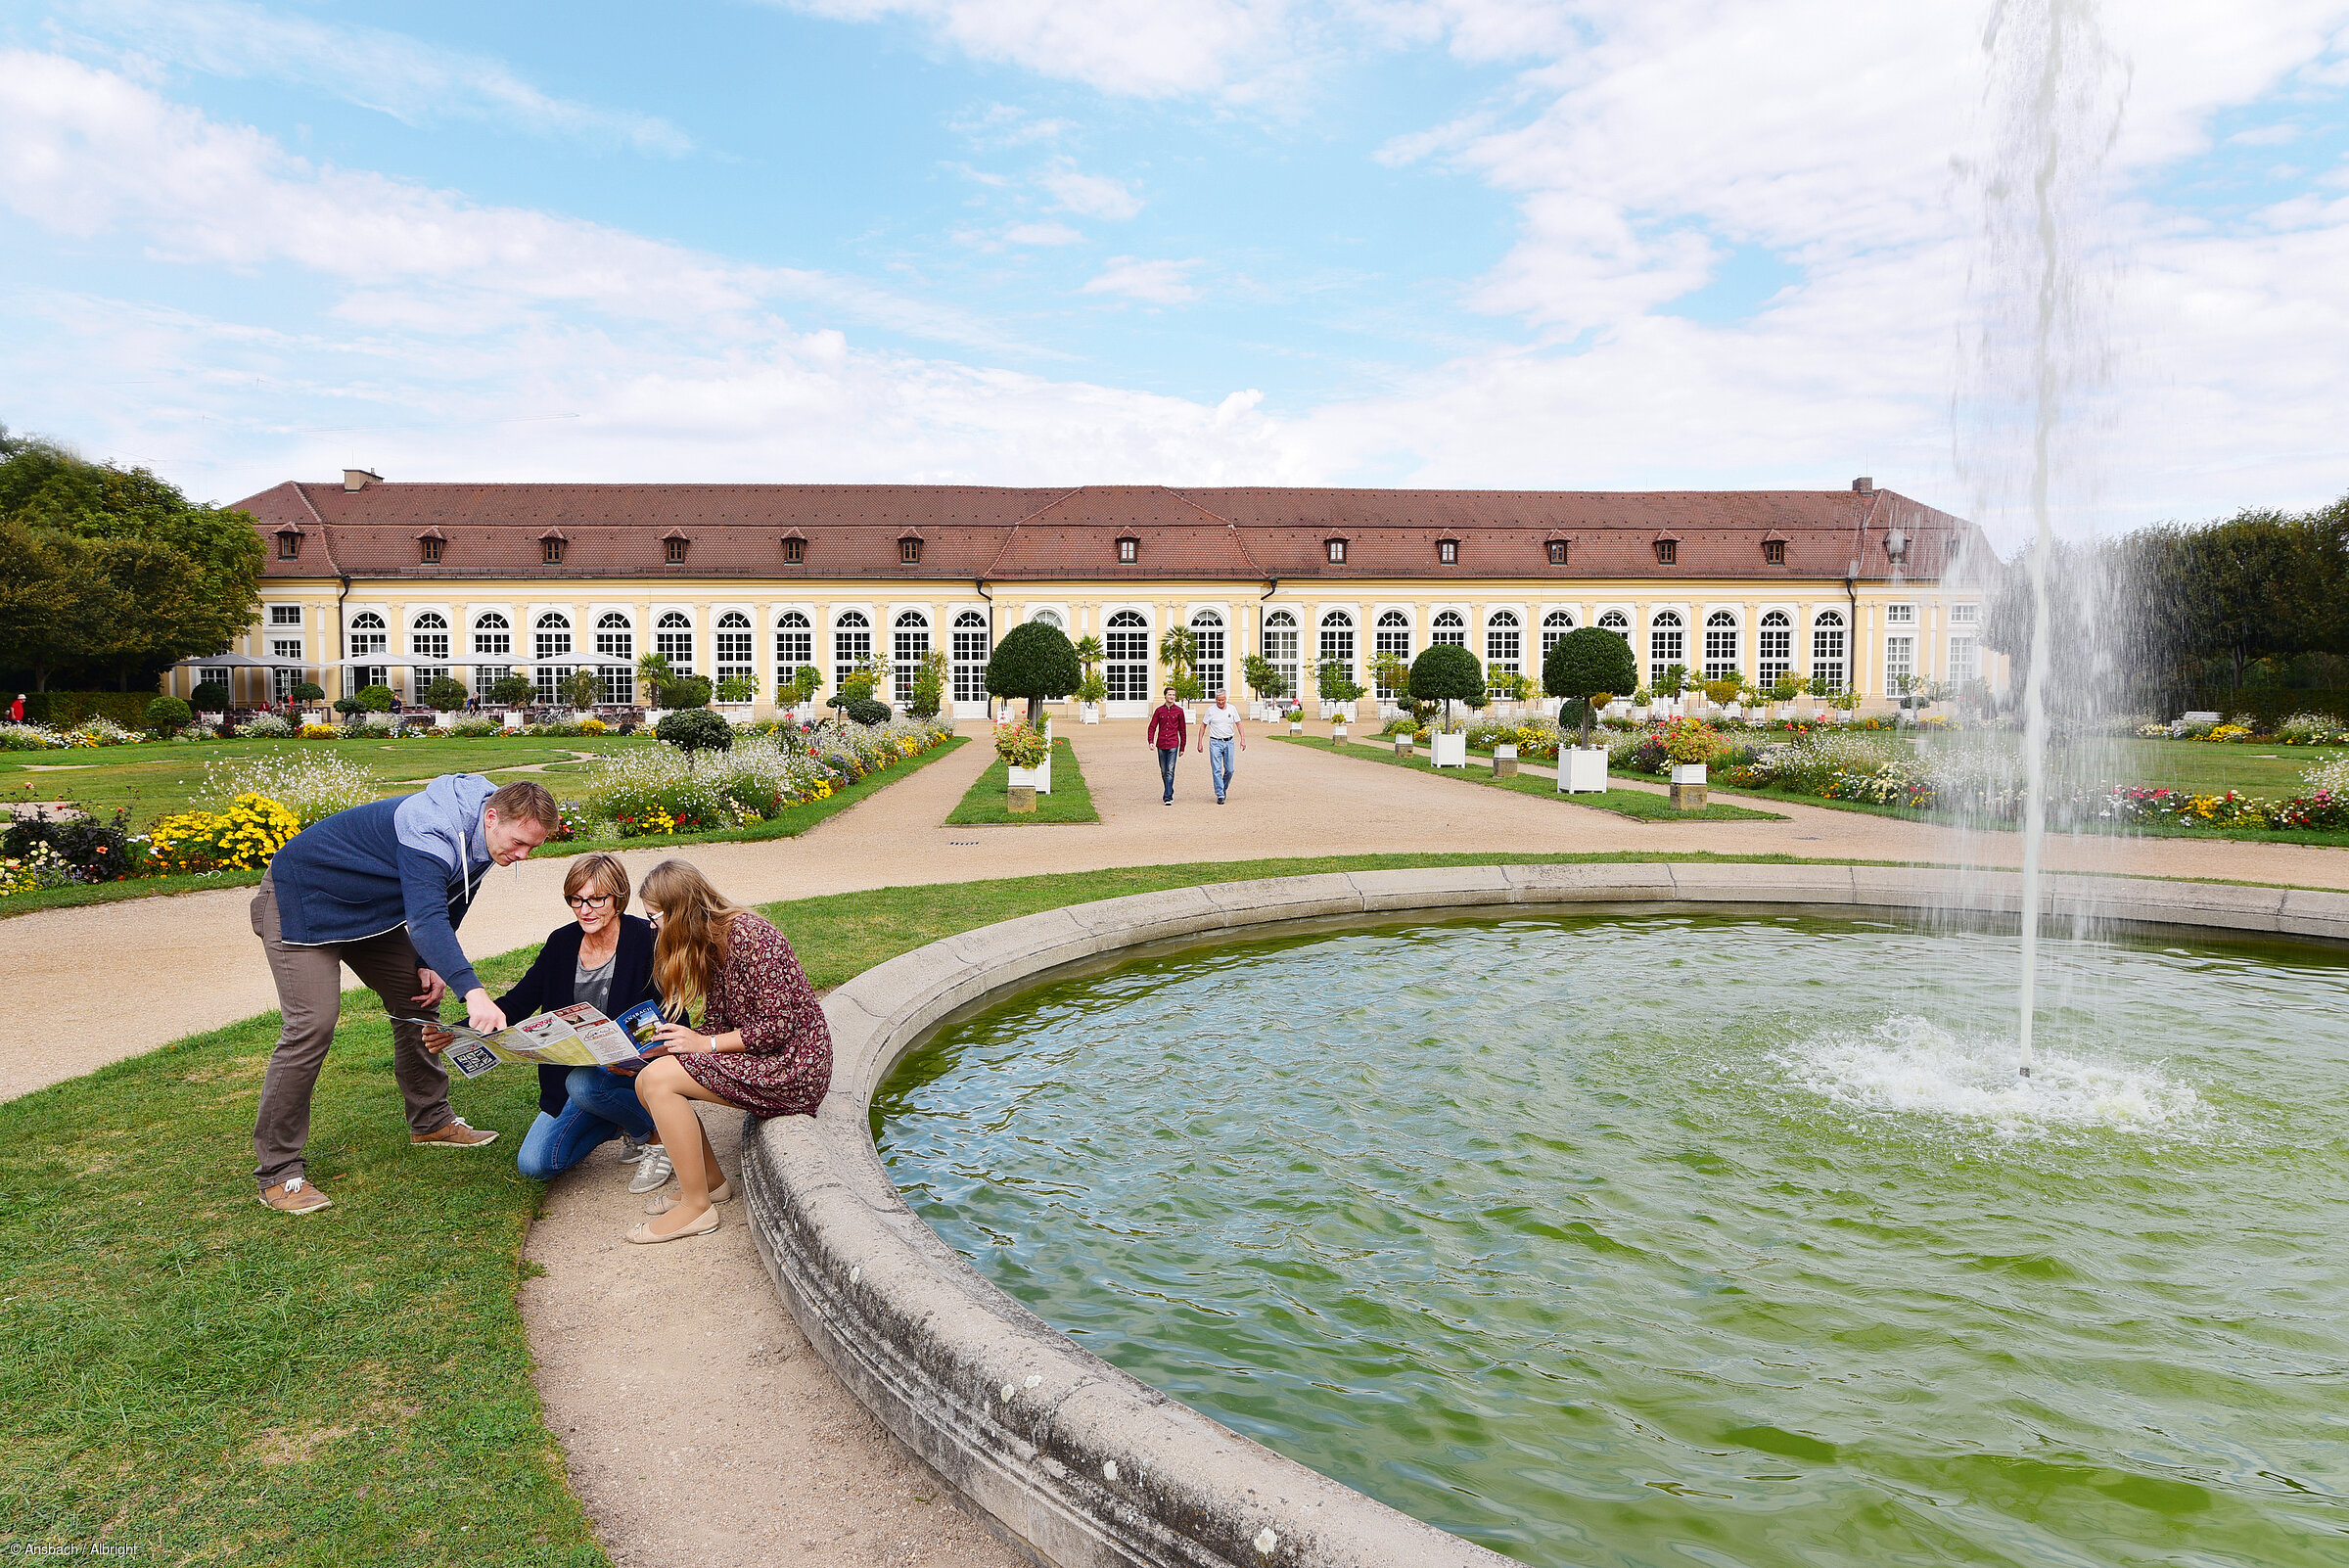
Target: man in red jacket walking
column 1166, row 730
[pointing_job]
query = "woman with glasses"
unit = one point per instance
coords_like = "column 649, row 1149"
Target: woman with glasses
column 604, row 958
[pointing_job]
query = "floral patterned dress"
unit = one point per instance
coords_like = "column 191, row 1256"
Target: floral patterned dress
column 785, row 1065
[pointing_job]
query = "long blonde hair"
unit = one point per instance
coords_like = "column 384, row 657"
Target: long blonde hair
column 694, row 920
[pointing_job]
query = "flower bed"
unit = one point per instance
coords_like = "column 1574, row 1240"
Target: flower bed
column 768, row 769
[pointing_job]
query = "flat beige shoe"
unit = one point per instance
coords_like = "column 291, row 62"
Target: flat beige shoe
column 645, row 1236
column 662, row 1203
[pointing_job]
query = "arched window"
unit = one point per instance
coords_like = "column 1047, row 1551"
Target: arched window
column 908, row 646
column 369, row 634
column 1617, row 622
column 851, row 645
column 428, row 639
column 1451, row 630
column 1207, row 631
column 550, row 639
column 1829, row 671
column 1125, row 650
column 1720, row 646
column 616, row 638
column 1047, row 618
column 1667, row 644
column 795, row 644
column 493, row 639
column 970, row 649
column 1773, row 649
column 1555, row 625
column 1337, row 642
column 734, row 648
column 672, row 640
column 1280, row 648
column 1392, row 635
column 1504, row 652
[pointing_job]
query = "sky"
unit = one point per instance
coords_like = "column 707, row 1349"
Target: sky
column 1483, row 244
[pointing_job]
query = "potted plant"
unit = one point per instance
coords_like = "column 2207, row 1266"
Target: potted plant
column 1033, row 660
column 1338, row 689
column 1296, row 718
column 1641, row 701
column 311, row 695
column 1505, row 759
column 445, row 697
column 1585, row 666
column 512, row 693
column 735, row 692
column 1691, row 744
column 210, row 701
column 1845, row 704
column 1445, row 673
column 1092, row 687
column 1024, row 749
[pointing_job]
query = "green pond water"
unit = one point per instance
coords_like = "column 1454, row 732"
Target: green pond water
column 1698, row 1241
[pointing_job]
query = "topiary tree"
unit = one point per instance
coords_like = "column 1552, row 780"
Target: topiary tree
column 695, row 729
column 375, row 699
column 1585, row 662
column 867, row 711
column 309, row 691
column 1033, row 660
column 209, row 698
column 445, row 695
column 1445, row 674
column 580, row 688
column 930, row 684
column 508, row 691
column 168, row 712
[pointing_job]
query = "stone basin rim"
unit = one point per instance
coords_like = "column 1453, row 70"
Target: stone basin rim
column 1082, row 1465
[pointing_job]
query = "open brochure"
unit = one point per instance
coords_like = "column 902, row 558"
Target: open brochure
column 576, row 1036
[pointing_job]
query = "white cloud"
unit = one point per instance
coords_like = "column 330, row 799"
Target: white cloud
column 1152, row 282
column 1042, row 234
column 389, row 71
column 1000, row 125
column 1091, row 195
column 1137, row 48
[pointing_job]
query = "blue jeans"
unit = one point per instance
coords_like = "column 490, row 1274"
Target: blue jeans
column 602, row 1106
column 1222, row 757
column 1166, row 768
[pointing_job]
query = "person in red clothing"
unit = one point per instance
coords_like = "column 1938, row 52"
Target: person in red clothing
column 1167, row 729
column 16, row 710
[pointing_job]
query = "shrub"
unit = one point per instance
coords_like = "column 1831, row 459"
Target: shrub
column 1034, row 662
column 28, row 738
column 686, row 692
column 508, row 691
column 445, row 695
column 695, row 729
column 319, row 732
column 90, row 850
column 472, row 726
column 62, row 710
column 737, row 689
column 930, row 684
column 209, row 698
column 1021, row 745
column 242, row 837
column 168, row 712
column 375, row 699
column 265, row 727
column 1583, row 663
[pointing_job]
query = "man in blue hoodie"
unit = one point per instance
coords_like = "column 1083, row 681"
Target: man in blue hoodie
column 381, row 887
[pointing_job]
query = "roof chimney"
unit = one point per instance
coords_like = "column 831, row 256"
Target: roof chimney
column 1865, row 487
column 358, row 478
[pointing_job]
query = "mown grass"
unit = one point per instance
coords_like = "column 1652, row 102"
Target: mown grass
column 793, row 822
column 1638, row 804
column 986, row 802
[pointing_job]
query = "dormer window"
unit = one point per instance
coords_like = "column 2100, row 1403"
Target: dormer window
column 1557, row 552
column 288, row 545
column 1774, row 552
column 1128, row 551
column 1667, row 552
column 550, row 547
column 910, row 551
column 427, row 548
column 1337, row 551
column 794, row 550
column 1448, row 552
column 673, row 551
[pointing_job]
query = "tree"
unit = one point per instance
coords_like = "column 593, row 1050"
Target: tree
column 653, row 672
column 376, row 698
column 1088, row 655
column 309, row 691
column 1178, row 651
column 1445, row 673
column 1583, row 663
column 1337, row 682
column 1033, row 660
column 1263, row 677
column 507, row 691
column 687, row 691
column 167, row 714
column 695, row 729
column 580, row 688
column 445, row 695
column 209, row 698
column 930, row 684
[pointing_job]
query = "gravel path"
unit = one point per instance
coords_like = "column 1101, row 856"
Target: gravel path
column 769, row 1460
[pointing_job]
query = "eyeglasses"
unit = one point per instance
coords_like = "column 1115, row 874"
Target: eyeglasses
column 592, row 900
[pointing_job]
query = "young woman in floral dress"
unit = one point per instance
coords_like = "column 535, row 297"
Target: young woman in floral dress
column 763, row 1046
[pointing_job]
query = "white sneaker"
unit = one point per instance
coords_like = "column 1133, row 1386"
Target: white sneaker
column 630, row 1149
column 653, row 1170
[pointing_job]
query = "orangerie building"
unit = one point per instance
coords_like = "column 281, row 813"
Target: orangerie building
column 1855, row 588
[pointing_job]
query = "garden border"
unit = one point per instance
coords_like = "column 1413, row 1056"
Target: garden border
column 1084, row 1465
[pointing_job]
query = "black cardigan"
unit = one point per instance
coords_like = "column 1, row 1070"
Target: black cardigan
column 552, row 977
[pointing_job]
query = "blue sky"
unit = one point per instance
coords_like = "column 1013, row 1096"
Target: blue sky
column 1489, row 243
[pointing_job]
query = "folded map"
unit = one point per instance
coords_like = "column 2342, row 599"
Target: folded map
column 576, row 1036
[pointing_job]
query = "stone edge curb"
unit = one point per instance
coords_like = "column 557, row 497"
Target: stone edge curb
column 1080, row 1463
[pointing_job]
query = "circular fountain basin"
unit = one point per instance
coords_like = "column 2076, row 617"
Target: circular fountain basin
column 1084, row 1462
column 1602, row 1240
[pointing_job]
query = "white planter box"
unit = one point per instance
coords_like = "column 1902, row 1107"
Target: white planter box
column 316, row 715
column 1582, row 770
column 1449, row 751
column 511, row 719
column 1296, row 726
column 1088, row 712
column 1504, row 754
column 1639, row 715
column 445, row 721
column 1687, row 773
column 213, row 719
column 1024, row 778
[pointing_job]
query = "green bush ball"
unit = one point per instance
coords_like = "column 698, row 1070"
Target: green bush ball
column 168, row 712
column 695, row 729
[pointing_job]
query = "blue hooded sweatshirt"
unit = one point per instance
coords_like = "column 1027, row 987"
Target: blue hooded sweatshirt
column 411, row 860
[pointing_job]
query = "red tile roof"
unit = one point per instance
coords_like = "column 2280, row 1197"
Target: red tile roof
column 1010, row 534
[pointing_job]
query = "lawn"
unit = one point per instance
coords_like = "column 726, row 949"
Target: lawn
column 794, row 821
column 1638, row 804
column 984, row 803
column 192, row 1377
column 155, row 781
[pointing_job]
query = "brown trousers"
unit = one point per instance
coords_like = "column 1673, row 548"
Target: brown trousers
column 309, row 995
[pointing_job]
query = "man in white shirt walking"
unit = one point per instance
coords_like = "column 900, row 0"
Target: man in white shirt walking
column 1219, row 729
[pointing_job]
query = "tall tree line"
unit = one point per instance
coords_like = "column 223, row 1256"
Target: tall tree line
column 111, row 573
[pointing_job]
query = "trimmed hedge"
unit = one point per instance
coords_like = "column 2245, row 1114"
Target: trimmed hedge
column 66, row 709
column 2268, row 703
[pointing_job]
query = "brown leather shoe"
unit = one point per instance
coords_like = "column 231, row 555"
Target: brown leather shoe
column 455, row 1136
column 295, row 1195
